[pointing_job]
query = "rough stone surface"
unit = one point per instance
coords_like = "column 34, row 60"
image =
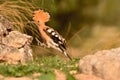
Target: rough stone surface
column 105, row 64
column 86, row 77
column 5, row 26
column 16, row 39
column 14, row 46
column 10, row 55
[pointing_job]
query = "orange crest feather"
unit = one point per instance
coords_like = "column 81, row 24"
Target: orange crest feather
column 40, row 15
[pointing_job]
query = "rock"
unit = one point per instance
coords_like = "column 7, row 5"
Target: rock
column 5, row 26
column 16, row 39
column 86, row 77
column 36, row 75
column 10, row 55
column 105, row 64
column 60, row 75
column 14, row 46
column 1, row 77
column 19, row 78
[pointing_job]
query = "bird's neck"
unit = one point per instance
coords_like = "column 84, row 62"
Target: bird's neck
column 42, row 25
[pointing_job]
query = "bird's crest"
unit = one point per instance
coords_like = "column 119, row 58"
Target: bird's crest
column 40, row 15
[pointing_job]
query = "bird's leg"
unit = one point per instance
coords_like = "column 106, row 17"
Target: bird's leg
column 40, row 43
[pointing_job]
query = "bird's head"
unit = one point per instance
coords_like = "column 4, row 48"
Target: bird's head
column 40, row 16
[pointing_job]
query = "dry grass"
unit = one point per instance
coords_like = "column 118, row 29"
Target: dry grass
column 102, row 37
column 19, row 12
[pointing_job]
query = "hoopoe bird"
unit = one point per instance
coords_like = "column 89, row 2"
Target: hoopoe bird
column 51, row 38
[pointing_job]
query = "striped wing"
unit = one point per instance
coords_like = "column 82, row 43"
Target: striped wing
column 58, row 39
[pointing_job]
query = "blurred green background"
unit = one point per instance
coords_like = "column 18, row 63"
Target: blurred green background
column 87, row 25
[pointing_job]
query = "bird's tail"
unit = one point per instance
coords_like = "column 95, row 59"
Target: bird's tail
column 67, row 55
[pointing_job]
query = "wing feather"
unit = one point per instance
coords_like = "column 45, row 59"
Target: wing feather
column 56, row 37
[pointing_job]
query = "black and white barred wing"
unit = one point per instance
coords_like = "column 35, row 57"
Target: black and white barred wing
column 56, row 37
column 58, row 40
